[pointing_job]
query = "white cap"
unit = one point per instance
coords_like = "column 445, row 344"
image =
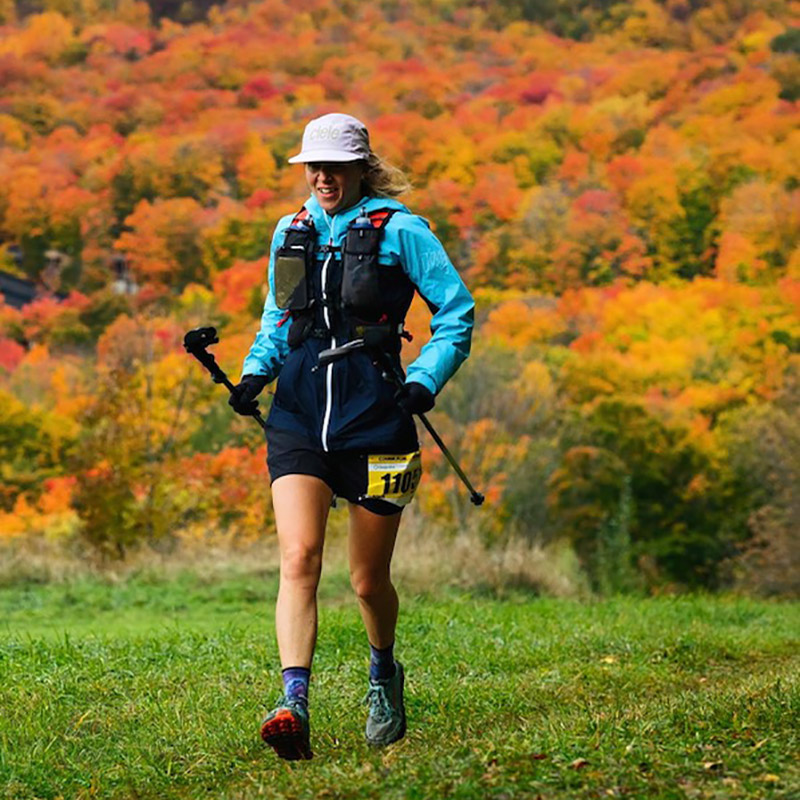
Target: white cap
column 333, row 137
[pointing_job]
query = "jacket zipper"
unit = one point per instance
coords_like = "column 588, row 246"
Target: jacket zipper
column 326, row 315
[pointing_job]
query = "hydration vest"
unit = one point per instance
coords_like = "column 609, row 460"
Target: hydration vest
column 362, row 297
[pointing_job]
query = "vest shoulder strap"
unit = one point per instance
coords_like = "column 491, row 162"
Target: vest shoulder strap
column 381, row 216
column 301, row 216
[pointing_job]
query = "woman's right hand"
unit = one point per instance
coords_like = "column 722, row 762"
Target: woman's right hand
column 243, row 397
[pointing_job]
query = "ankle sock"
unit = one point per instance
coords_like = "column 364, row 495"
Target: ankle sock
column 295, row 682
column 381, row 663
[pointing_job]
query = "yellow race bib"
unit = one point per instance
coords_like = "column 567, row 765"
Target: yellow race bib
column 394, row 478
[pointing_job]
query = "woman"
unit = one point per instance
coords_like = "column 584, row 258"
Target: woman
column 344, row 269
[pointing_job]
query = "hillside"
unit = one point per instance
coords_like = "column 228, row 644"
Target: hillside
column 617, row 183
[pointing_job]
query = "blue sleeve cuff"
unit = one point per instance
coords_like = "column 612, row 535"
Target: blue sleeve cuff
column 417, row 376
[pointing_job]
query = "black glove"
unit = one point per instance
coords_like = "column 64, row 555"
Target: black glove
column 415, row 398
column 243, row 397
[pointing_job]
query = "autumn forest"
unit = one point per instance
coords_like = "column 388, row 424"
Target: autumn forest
column 617, row 183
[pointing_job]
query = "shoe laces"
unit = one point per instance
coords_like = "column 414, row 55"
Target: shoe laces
column 379, row 706
column 293, row 703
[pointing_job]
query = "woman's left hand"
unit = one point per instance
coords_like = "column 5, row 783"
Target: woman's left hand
column 415, row 398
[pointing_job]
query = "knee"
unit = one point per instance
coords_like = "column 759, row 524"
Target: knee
column 367, row 585
column 301, row 564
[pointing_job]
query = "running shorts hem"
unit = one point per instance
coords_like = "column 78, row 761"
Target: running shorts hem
column 344, row 471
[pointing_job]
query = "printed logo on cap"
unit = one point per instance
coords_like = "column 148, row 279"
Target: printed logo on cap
column 325, row 132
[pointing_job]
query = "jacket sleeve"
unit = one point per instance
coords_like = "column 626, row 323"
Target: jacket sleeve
column 270, row 348
column 427, row 264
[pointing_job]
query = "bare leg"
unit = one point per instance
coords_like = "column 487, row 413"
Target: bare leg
column 301, row 504
column 371, row 544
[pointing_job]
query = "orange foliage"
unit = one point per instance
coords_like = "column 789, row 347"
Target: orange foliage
column 518, row 323
column 235, row 285
column 594, row 185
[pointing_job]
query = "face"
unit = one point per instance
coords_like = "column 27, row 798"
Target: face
column 335, row 185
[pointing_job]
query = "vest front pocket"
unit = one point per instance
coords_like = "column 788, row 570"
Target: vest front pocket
column 361, row 295
column 291, row 278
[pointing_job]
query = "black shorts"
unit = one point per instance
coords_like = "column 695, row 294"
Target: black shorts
column 345, row 471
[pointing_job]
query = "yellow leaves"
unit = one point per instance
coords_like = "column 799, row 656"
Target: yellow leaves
column 69, row 390
column 12, row 133
column 654, row 198
column 45, row 35
column 711, row 398
column 750, row 88
column 535, row 387
column 637, row 75
column 132, row 12
column 694, row 349
column 229, row 231
column 793, row 267
column 12, row 524
column 186, row 166
column 256, row 167
column 520, row 323
column 609, row 119
column 452, row 158
column 530, row 154
column 650, row 24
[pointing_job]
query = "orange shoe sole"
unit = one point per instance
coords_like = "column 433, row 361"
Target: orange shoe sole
column 284, row 734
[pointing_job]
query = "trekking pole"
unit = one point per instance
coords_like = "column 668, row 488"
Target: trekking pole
column 195, row 343
column 389, row 368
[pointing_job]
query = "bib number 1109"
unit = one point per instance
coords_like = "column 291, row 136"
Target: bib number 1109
column 394, row 478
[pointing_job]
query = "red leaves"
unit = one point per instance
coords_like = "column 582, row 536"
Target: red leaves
column 540, row 86
column 597, row 201
column 11, row 353
column 259, row 87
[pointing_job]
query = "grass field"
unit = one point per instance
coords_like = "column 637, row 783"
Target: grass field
column 153, row 687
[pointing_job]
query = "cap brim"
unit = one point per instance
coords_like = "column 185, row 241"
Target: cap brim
column 326, row 156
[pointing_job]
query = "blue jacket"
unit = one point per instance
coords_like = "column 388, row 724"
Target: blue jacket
column 347, row 405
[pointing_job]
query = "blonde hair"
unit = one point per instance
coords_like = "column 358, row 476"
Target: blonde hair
column 382, row 179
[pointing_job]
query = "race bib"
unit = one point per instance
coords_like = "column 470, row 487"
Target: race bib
column 394, row 478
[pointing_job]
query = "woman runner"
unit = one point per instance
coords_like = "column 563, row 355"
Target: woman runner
column 345, row 268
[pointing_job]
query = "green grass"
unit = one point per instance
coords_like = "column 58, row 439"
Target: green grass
column 154, row 688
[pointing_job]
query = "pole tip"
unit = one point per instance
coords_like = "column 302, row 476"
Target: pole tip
column 477, row 498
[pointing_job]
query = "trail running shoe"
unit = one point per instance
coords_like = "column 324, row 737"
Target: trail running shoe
column 286, row 730
column 386, row 722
